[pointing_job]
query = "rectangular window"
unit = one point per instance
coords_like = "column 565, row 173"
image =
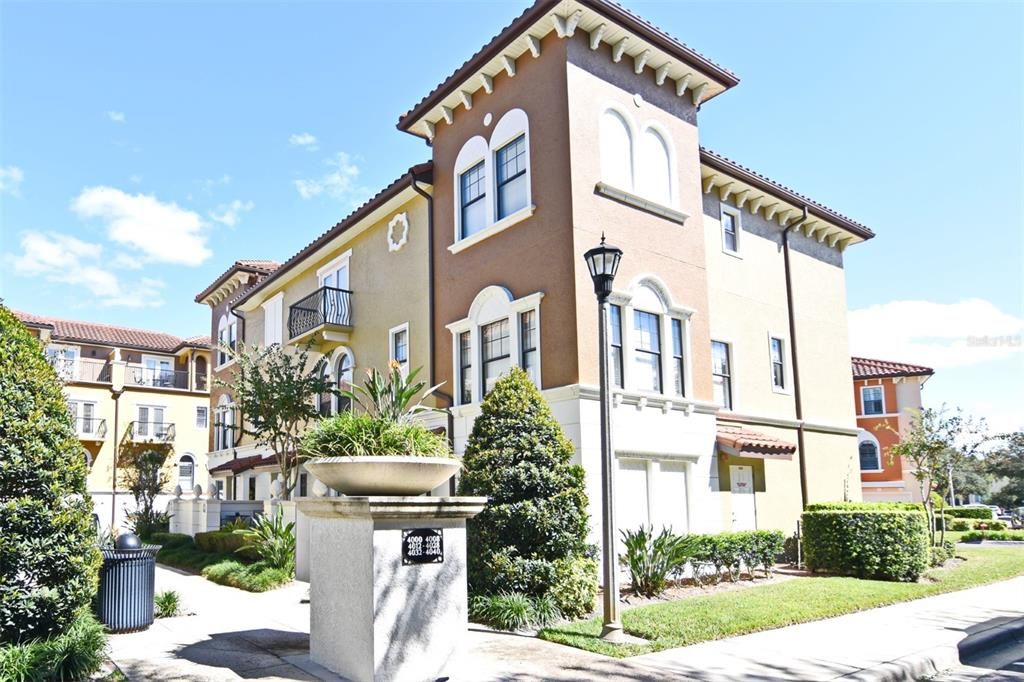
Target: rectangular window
column 142, row 428
column 303, row 485
column 202, row 416
column 528, row 343
column 872, row 400
column 778, row 363
column 252, row 488
column 233, row 335
column 730, row 231
column 465, row 370
column 721, row 374
column 473, row 185
column 400, row 347
column 222, row 340
column 511, row 168
column 615, row 334
column 677, row 357
column 648, row 350
column 496, row 352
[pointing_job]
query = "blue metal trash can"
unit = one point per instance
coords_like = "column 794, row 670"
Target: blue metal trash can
column 127, row 585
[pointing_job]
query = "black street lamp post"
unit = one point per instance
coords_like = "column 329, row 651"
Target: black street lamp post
column 603, row 262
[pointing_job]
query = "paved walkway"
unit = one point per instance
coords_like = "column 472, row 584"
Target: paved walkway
column 237, row 635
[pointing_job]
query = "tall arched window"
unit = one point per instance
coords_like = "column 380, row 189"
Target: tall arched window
column 870, row 452
column 343, row 375
column 224, row 423
column 227, row 335
column 616, row 151
column 654, row 168
column 325, row 402
column 186, row 472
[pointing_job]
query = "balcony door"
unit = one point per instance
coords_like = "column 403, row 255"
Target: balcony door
column 158, row 371
column 151, row 421
column 336, row 302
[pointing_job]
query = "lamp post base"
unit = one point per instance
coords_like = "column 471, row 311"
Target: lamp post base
column 612, row 632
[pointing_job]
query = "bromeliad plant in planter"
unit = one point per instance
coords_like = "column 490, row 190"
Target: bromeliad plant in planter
column 380, row 448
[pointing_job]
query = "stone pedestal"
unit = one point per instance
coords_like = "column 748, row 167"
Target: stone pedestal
column 388, row 584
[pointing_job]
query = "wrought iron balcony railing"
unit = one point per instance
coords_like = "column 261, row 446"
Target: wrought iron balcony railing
column 91, row 428
column 157, row 377
column 159, row 432
column 325, row 306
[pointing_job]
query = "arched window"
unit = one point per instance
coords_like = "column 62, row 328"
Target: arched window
column 202, row 381
column 510, row 150
column 870, row 453
column 326, row 400
column 343, row 375
column 227, row 335
column 224, row 424
column 616, row 151
column 654, row 168
column 186, row 472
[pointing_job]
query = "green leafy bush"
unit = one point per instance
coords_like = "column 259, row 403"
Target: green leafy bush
column 959, row 525
column 272, row 540
column 257, row 577
column 225, row 542
column 939, row 555
column 989, row 525
column 513, row 611
column 361, row 435
column 49, row 561
column 756, row 549
column 864, row 506
column 883, row 542
column 536, row 515
column 1005, row 535
column 180, row 551
column 983, row 513
column 72, row 655
column 392, row 397
column 167, row 604
column 574, row 589
column 651, row 558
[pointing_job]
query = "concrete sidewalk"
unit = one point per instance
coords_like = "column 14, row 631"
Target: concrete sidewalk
column 237, row 635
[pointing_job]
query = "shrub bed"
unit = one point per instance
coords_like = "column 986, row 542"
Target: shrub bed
column 179, row 550
column 1004, row 535
column 224, row 542
column 879, row 541
column 989, row 525
column 257, row 577
column 71, row 655
column 983, row 513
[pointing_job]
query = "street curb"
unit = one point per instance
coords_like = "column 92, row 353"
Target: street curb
column 976, row 644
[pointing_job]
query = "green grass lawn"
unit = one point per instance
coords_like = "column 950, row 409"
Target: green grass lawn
column 725, row 614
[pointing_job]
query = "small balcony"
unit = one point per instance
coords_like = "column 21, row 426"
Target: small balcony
column 324, row 317
column 137, row 375
column 71, row 370
column 150, row 432
column 90, row 428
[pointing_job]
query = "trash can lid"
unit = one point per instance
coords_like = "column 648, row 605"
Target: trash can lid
column 128, row 541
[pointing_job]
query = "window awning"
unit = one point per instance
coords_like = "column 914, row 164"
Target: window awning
column 741, row 442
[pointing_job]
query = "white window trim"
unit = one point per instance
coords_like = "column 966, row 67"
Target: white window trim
column 493, row 229
column 273, row 319
column 787, row 373
column 195, row 422
column 737, row 215
column 863, row 412
column 80, row 414
column 636, row 133
column 225, row 322
column 226, row 405
column 670, row 149
column 475, row 321
column 730, row 350
column 392, row 333
column 867, row 436
column 333, row 266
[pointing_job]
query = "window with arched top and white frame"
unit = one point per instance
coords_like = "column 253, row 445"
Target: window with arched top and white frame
column 186, row 472
column 224, row 423
column 344, row 372
column 870, row 452
column 650, row 340
column 227, row 336
column 493, row 181
column 637, row 159
column 500, row 332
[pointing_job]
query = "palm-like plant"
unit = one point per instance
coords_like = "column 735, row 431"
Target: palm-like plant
column 272, row 540
column 652, row 558
column 391, row 396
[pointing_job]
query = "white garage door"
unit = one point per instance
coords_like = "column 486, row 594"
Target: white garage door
column 669, row 498
column 651, row 493
column 631, row 494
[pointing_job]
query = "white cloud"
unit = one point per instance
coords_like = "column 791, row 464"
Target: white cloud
column 231, row 214
column 938, row 335
column 68, row 260
column 340, row 183
column 10, row 180
column 162, row 231
column 116, row 116
column 307, row 141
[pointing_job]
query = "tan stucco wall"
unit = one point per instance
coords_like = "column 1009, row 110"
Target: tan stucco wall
column 651, row 244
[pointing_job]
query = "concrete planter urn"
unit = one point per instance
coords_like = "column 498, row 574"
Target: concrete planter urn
column 384, row 474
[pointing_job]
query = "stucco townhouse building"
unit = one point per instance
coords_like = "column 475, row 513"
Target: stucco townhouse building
column 126, row 385
column 731, row 369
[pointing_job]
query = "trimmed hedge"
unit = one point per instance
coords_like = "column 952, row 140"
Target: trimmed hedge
column 989, row 525
column 751, row 548
column 224, row 542
column 1005, row 535
column 983, row 513
column 867, row 541
column 864, row 506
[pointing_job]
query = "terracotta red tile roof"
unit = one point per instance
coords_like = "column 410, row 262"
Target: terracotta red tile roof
column 109, row 334
column 237, row 465
column 261, row 268
column 745, row 442
column 727, row 165
column 613, row 10
column 866, row 368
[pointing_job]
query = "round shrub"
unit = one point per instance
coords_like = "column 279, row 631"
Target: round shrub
column 536, row 516
column 49, row 561
column 883, row 543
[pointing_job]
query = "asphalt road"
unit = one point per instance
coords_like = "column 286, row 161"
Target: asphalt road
column 1005, row 664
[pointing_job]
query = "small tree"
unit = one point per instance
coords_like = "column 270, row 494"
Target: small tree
column 935, row 442
column 1008, row 462
column 534, row 528
column 276, row 392
column 144, row 472
column 48, row 557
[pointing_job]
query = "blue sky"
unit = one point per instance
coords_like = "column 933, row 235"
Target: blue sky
column 145, row 146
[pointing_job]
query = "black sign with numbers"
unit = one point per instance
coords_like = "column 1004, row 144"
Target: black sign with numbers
column 422, row 546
